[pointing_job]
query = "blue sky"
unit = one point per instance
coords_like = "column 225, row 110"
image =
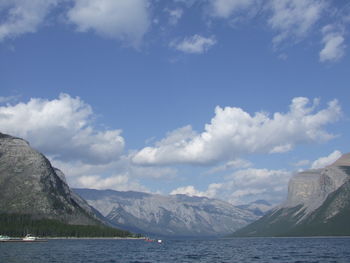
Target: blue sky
column 217, row 98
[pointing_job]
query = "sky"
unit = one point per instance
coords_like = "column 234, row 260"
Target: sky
column 220, row 98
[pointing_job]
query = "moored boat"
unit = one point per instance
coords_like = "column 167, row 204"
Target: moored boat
column 4, row 238
column 29, row 237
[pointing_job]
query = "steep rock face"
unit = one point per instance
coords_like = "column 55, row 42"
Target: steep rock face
column 318, row 204
column 30, row 185
column 311, row 188
column 177, row 215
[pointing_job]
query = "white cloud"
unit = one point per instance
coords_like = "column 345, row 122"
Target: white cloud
column 195, row 44
column 294, row 18
column 289, row 18
column 233, row 132
column 126, row 20
column 174, row 15
column 187, row 190
column 328, row 160
column 334, row 46
column 63, row 129
column 190, row 190
column 225, row 8
column 21, row 17
column 118, row 182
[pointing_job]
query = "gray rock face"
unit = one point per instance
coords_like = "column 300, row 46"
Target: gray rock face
column 317, row 204
column 176, row 215
column 30, row 185
column 311, row 188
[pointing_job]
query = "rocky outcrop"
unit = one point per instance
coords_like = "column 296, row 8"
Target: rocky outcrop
column 311, row 188
column 174, row 215
column 317, row 204
column 30, row 185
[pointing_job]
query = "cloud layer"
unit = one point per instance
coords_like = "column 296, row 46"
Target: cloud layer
column 62, row 128
column 233, row 132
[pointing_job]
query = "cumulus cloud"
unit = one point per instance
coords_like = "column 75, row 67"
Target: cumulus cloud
column 328, row 160
column 62, row 128
column 334, row 46
column 233, row 132
column 20, row 17
column 195, row 44
column 126, row 20
column 294, row 18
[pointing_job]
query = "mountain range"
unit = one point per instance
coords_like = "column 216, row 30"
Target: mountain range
column 172, row 215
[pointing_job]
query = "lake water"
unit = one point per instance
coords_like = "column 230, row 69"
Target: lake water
column 219, row 250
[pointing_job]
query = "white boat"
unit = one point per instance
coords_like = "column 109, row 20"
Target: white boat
column 4, row 238
column 29, row 237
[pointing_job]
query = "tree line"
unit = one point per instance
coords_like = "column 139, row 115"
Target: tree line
column 18, row 225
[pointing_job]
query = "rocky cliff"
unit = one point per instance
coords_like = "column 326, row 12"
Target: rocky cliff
column 30, row 185
column 175, row 215
column 317, row 204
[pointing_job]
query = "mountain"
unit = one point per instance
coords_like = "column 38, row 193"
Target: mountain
column 318, row 204
column 174, row 215
column 32, row 190
column 258, row 207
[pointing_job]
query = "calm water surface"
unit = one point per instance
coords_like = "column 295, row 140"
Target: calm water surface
column 219, row 250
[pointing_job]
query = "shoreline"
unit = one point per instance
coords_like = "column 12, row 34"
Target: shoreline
column 43, row 239
column 109, row 238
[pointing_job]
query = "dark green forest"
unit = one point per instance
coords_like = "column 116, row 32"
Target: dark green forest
column 18, row 225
